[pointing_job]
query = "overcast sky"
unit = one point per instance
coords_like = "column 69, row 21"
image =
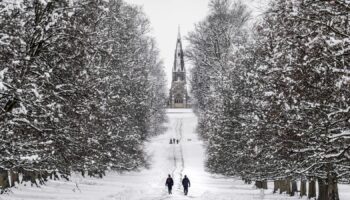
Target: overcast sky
column 167, row 15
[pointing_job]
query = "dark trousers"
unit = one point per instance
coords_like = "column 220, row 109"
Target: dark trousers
column 169, row 189
column 185, row 190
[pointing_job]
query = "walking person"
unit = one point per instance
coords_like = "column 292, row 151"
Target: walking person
column 186, row 184
column 169, row 182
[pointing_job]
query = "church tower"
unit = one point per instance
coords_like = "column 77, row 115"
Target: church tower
column 178, row 91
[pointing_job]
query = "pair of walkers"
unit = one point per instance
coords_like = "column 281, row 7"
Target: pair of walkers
column 185, row 183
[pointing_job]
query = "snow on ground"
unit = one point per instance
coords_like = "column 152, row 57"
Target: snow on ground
column 187, row 157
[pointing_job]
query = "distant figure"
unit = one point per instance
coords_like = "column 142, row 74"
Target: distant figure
column 174, row 140
column 171, row 141
column 177, row 141
column 186, row 184
column 169, row 182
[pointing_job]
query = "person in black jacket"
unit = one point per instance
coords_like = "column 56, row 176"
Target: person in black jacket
column 169, row 182
column 186, row 184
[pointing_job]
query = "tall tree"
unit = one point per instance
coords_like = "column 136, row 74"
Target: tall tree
column 82, row 86
column 216, row 82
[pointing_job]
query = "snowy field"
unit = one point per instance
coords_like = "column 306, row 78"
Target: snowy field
column 187, row 157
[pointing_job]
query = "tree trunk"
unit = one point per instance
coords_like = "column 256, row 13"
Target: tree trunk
column 42, row 176
column 312, row 189
column 258, row 184
column 333, row 187
column 276, row 186
column 14, row 178
column 288, row 186
column 294, row 188
column 53, row 175
column 264, row 184
column 33, row 178
column 282, row 184
column 323, row 189
column 302, row 188
column 30, row 176
column 4, row 180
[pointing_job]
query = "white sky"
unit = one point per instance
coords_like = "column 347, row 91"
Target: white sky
column 167, row 15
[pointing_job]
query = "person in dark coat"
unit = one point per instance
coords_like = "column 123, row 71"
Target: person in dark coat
column 186, row 184
column 169, row 182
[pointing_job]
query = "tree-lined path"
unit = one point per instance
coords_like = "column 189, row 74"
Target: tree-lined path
column 83, row 96
column 187, row 157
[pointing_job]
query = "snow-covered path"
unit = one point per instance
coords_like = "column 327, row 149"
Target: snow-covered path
column 187, row 157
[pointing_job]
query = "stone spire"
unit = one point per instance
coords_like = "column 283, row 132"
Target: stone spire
column 179, row 64
column 178, row 97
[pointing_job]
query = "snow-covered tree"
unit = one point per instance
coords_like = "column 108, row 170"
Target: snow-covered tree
column 282, row 106
column 217, row 81
column 82, row 87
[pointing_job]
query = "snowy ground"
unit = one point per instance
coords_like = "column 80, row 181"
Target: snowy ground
column 187, row 157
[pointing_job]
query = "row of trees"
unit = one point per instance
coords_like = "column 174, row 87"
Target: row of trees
column 81, row 87
column 274, row 102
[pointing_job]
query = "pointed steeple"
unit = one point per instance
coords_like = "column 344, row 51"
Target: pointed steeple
column 178, row 97
column 179, row 64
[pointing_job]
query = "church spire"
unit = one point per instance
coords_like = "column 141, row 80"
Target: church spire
column 179, row 64
column 178, row 91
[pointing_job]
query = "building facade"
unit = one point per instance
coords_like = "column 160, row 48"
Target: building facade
column 178, row 97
